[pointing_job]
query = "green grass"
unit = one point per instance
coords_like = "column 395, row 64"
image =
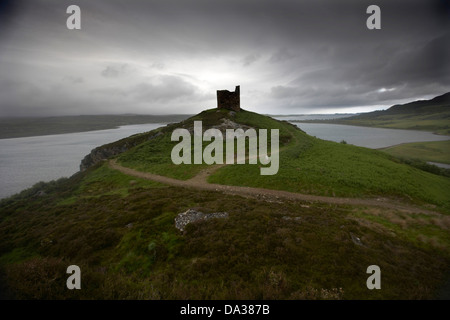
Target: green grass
column 307, row 165
column 333, row 169
column 421, row 230
column 128, row 248
column 434, row 151
column 15, row 256
column 120, row 230
column 155, row 156
column 106, row 181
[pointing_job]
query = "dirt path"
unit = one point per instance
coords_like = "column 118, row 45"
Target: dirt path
column 200, row 182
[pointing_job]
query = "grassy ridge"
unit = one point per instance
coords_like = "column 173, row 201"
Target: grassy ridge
column 155, row 156
column 333, row 169
column 307, row 165
column 123, row 238
column 434, row 151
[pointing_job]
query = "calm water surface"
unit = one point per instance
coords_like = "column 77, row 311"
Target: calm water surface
column 367, row 137
column 26, row 161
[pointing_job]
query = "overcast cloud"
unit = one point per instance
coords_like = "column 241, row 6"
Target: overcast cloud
column 166, row 56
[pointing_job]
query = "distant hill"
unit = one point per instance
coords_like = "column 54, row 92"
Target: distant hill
column 423, row 107
column 428, row 115
column 40, row 126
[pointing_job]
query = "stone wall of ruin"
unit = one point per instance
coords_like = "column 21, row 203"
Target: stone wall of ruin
column 229, row 100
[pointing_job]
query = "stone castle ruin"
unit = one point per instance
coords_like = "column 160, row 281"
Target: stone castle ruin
column 229, row 100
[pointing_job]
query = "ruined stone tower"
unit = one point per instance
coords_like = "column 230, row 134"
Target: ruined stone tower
column 229, row 100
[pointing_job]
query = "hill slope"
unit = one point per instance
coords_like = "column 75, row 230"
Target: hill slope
column 307, row 165
column 439, row 104
column 120, row 228
column 429, row 115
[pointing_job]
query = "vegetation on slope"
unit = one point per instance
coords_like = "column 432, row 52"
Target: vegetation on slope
column 120, row 229
column 307, row 165
column 428, row 115
column 433, row 151
column 154, row 156
column 121, row 233
column 333, row 169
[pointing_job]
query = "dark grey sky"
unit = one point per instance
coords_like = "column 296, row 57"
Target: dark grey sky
column 166, row 56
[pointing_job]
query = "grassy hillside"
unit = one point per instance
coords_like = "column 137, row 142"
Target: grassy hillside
column 428, row 115
column 121, row 233
column 331, row 169
column 154, row 156
column 120, row 229
column 434, row 151
column 307, row 165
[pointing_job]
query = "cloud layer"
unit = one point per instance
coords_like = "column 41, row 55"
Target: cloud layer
column 166, row 56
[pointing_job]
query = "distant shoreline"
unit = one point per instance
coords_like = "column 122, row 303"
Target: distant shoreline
column 345, row 122
column 31, row 127
column 22, row 127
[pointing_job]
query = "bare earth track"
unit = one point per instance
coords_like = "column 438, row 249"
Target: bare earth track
column 200, row 182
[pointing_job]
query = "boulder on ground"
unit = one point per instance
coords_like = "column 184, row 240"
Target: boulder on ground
column 191, row 215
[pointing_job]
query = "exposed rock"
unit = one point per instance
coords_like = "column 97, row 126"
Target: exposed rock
column 222, row 127
column 99, row 154
column 356, row 240
column 112, row 149
column 40, row 193
column 159, row 133
column 191, row 215
column 229, row 124
column 296, row 219
column 46, row 242
column 268, row 198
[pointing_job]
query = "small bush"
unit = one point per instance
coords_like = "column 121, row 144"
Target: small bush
column 38, row 278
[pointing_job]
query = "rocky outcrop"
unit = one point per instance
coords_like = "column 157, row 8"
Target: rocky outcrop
column 191, row 215
column 229, row 124
column 100, row 153
column 222, row 127
column 356, row 240
column 112, row 149
column 295, row 219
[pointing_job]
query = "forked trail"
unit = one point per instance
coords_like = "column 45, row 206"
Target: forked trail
column 200, row 182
